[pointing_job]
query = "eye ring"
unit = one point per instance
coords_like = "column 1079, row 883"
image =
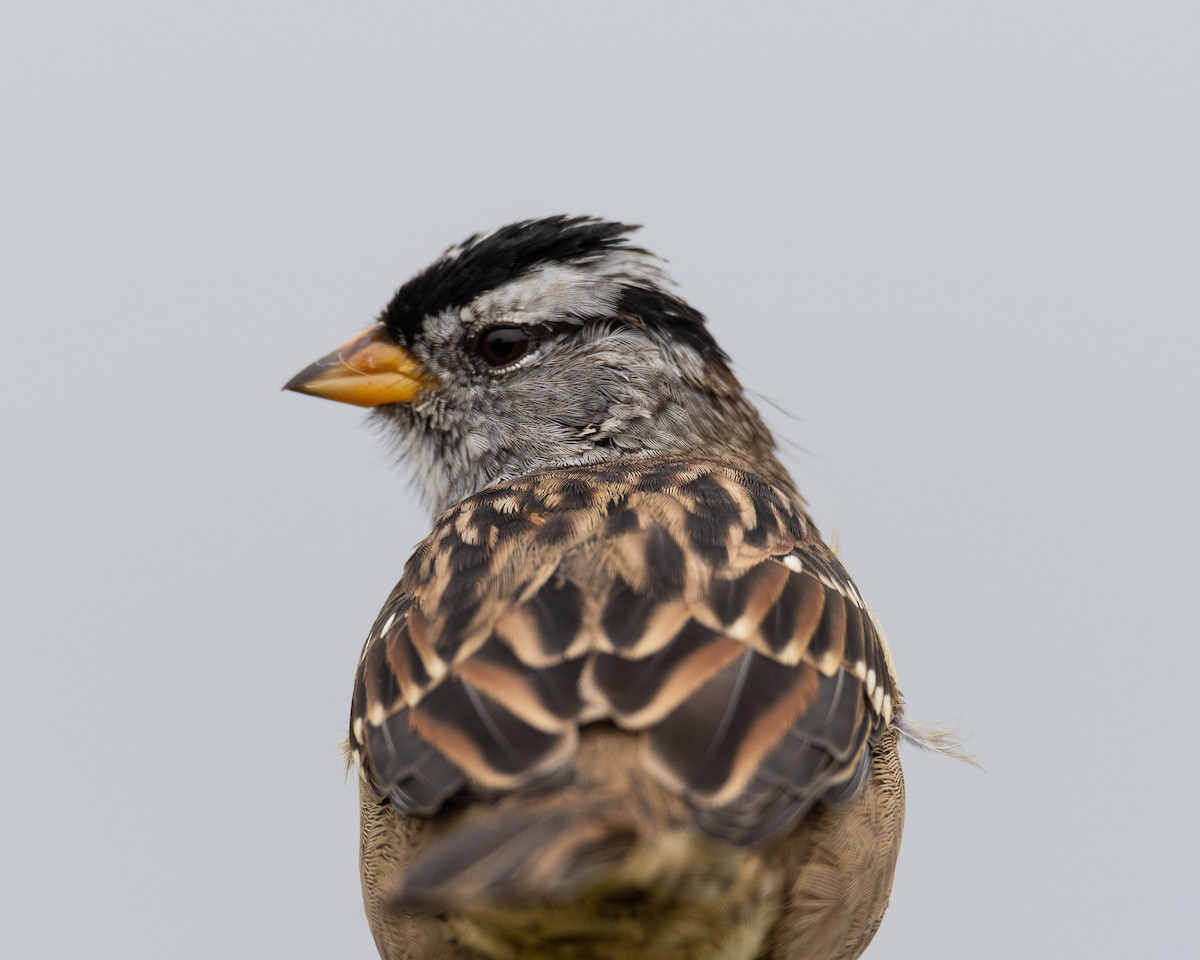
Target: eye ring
column 502, row 346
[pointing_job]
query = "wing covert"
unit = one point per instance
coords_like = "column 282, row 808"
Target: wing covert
column 693, row 603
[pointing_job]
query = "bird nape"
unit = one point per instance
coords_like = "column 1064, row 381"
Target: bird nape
column 624, row 702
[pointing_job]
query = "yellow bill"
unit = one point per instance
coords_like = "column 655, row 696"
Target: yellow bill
column 368, row 371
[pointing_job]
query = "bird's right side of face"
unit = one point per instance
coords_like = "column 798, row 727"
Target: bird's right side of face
column 537, row 365
column 544, row 344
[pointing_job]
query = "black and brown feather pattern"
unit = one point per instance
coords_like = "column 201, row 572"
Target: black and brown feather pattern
column 692, row 603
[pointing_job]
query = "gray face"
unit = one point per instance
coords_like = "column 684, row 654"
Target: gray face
column 595, row 381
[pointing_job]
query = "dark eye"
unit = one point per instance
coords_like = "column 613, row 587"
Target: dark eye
column 502, row 345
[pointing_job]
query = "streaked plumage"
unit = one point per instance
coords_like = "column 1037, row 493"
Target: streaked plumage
column 624, row 702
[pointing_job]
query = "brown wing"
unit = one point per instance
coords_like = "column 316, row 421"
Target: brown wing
column 692, row 602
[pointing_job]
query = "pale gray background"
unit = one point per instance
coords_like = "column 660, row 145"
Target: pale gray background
column 958, row 242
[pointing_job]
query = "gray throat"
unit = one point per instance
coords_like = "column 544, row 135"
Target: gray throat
column 450, row 457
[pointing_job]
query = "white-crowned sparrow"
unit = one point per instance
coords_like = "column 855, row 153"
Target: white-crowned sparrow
column 624, row 702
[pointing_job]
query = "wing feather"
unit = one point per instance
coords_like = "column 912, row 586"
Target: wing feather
column 693, row 603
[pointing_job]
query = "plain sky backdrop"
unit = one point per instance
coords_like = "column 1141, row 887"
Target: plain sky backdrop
column 957, row 245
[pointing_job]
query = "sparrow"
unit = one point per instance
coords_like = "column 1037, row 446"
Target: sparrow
column 624, row 703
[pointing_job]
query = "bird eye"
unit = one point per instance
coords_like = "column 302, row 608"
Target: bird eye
column 501, row 346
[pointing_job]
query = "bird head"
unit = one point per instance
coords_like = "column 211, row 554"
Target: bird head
column 543, row 344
